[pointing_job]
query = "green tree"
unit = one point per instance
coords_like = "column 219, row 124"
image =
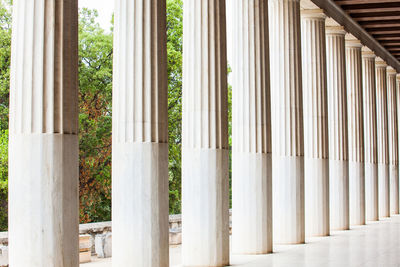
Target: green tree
column 5, row 56
column 3, row 179
column 174, row 50
column 95, row 99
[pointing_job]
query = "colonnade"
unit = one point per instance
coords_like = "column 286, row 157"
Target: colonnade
column 314, row 131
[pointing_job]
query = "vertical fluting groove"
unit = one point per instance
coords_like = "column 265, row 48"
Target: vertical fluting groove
column 251, row 78
column 338, row 133
column 392, row 117
column 43, row 100
column 140, row 95
column 287, row 114
column 355, row 111
column 287, row 121
column 398, row 111
column 43, row 134
column 370, row 130
column 315, row 108
column 383, row 145
column 205, row 119
column 356, row 132
column 251, row 157
column 338, row 129
column 381, row 87
column 140, row 134
column 205, row 192
column 370, row 135
column 314, row 86
column 398, row 107
column 393, row 141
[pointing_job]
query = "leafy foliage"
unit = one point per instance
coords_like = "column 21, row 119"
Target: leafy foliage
column 95, row 98
column 5, row 56
column 3, row 179
column 174, row 50
column 95, row 111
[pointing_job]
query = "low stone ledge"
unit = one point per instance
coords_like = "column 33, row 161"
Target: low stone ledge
column 94, row 228
column 4, row 238
column 101, row 237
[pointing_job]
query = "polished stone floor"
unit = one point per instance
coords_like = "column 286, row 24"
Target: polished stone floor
column 376, row 244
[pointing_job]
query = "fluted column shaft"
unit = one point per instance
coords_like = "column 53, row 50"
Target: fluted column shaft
column 287, row 121
column 315, row 103
column 251, row 128
column 370, row 136
column 383, row 146
column 205, row 185
column 393, row 141
column 140, row 135
column 43, row 148
column 398, row 112
column 338, row 129
column 356, row 132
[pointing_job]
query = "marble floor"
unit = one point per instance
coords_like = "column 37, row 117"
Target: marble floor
column 376, row 244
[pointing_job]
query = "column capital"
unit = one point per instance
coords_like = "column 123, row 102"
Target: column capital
column 335, row 30
column 380, row 63
column 313, row 14
column 367, row 52
column 352, row 41
column 398, row 76
column 391, row 71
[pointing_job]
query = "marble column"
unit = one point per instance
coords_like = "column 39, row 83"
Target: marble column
column 315, row 108
column 338, row 129
column 370, row 135
column 287, row 121
column 393, row 141
column 140, row 135
column 251, row 128
column 383, row 146
column 398, row 114
column 43, row 147
column 205, row 183
column 355, row 131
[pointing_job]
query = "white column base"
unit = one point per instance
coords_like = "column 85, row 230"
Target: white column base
column 371, row 192
column 43, row 200
column 384, row 199
column 251, row 203
column 205, row 207
column 288, row 199
column 140, row 204
column 394, row 189
column 316, row 182
column 339, row 195
column 357, row 193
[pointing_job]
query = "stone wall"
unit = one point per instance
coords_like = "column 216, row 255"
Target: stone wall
column 101, row 237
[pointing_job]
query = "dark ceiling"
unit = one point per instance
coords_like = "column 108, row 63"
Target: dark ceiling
column 380, row 18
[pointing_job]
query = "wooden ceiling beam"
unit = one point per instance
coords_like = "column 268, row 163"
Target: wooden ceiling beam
column 391, row 38
column 390, row 43
column 379, row 24
column 377, row 18
column 387, row 10
column 374, row 14
column 363, row 2
column 354, row 22
column 384, row 31
column 386, row 35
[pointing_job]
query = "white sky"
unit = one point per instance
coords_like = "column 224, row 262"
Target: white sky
column 105, row 9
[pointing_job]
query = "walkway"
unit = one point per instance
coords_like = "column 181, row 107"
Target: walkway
column 374, row 245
